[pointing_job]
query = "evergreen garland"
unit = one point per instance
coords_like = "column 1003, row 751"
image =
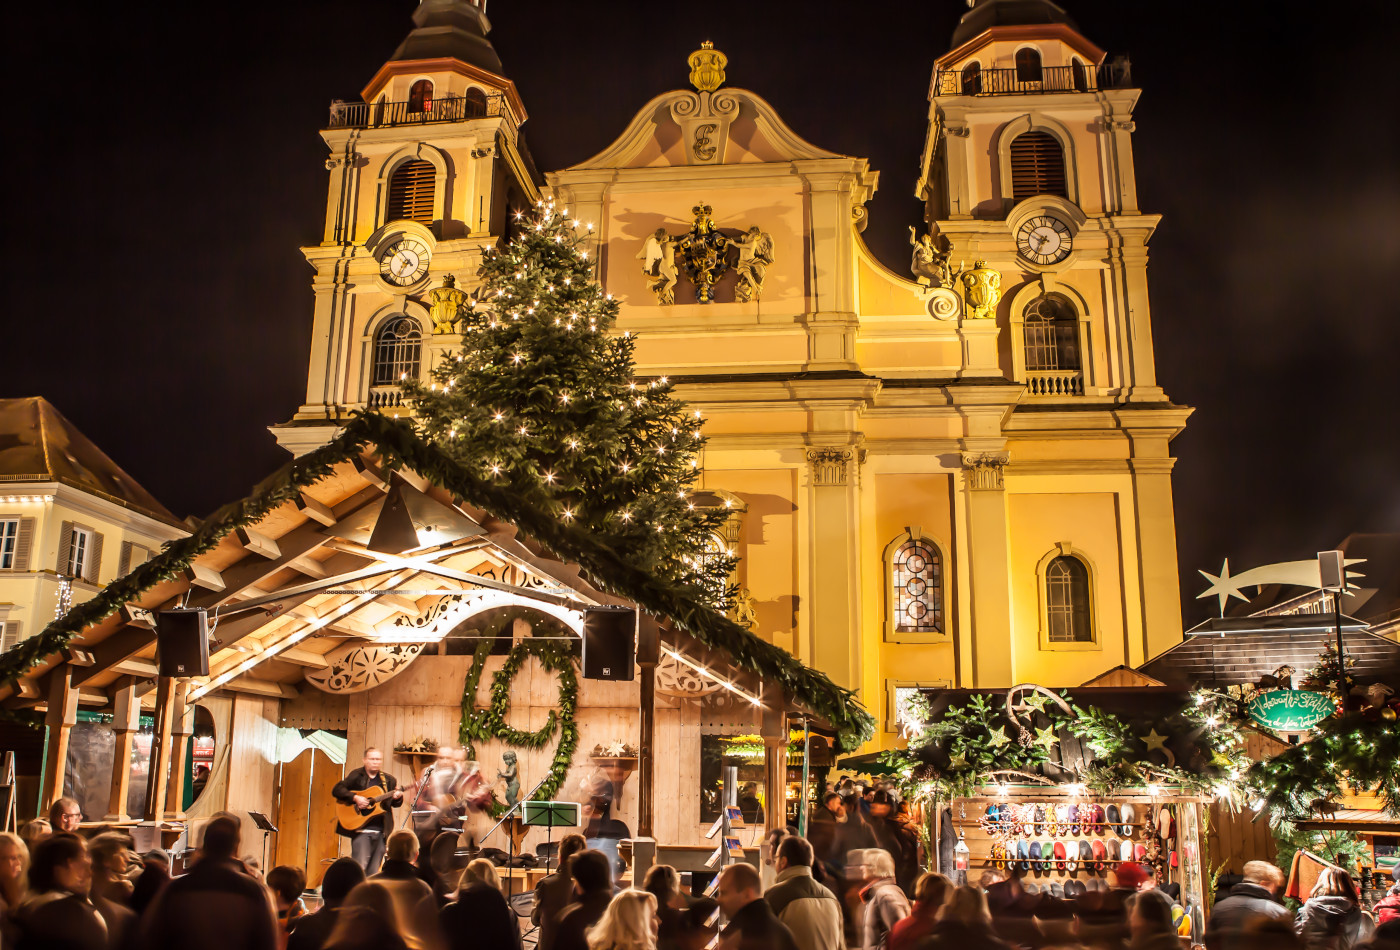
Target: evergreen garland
column 1360, row 749
column 482, row 725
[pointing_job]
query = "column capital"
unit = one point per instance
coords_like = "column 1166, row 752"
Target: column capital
column 985, row 471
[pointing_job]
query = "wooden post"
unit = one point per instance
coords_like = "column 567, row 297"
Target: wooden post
column 182, row 718
column 648, row 654
column 61, row 716
column 160, row 748
column 775, row 757
column 126, row 723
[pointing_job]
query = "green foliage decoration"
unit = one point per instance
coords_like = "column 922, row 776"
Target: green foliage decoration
column 482, row 725
column 1359, row 749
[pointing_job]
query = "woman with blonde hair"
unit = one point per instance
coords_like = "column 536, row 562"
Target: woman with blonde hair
column 14, row 880
column 32, row 832
column 1332, row 918
column 480, row 917
column 629, row 923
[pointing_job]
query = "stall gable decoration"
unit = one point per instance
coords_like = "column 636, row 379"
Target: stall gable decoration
column 1290, row 710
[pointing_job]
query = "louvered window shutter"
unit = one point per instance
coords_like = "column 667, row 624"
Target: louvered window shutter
column 9, row 634
column 412, row 190
column 1037, row 166
column 65, row 546
column 124, row 562
column 23, row 543
column 93, row 568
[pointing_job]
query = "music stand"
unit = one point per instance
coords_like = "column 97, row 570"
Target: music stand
column 510, row 839
column 550, row 815
column 266, row 826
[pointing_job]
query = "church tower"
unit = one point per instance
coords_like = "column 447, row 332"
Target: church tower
column 424, row 172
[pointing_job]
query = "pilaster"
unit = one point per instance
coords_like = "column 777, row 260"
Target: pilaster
column 833, row 598
column 993, row 649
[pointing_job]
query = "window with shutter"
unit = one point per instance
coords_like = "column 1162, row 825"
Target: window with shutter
column 9, row 634
column 133, row 556
column 1067, row 600
column 9, row 542
column 1037, row 166
column 65, row 547
column 79, row 552
column 92, row 567
column 412, row 193
column 26, row 541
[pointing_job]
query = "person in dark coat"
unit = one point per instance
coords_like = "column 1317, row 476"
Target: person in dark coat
column 1249, row 902
column 367, row 841
column 480, row 918
column 155, row 874
column 752, row 923
column 964, row 924
column 1332, row 918
column 593, row 888
column 217, row 899
column 1150, row 922
column 555, row 891
column 311, row 932
column 57, row 914
column 895, row 837
column 664, row 883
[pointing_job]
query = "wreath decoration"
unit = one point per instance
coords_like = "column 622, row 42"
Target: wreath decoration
column 483, row 725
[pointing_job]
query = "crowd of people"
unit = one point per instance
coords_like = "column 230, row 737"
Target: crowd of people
column 61, row 891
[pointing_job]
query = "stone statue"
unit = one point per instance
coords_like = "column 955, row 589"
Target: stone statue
column 745, row 611
column 446, row 305
column 929, row 264
column 658, row 257
column 981, row 290
column 702, row 253
column 512, row 778
column 755, row 255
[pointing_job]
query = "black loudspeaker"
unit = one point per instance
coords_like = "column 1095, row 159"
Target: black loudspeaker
column 608, row 633
column 182, row 642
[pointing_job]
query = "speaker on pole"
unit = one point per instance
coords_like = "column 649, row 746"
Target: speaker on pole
column 608, row 635
column 182, row 642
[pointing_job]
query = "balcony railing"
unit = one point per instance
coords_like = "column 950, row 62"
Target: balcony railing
column 1054, row 382
column 385, row 397
column 371, row 115
column 1009, row 81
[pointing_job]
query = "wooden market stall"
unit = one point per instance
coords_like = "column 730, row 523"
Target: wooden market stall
column 354, row 601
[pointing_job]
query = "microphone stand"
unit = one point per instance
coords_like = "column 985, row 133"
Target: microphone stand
column 510, row 879
column 413, row 808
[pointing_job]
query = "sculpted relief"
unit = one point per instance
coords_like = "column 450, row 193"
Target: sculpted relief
column 705, row 255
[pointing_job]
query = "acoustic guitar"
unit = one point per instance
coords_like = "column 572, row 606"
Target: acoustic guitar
column 352, row 817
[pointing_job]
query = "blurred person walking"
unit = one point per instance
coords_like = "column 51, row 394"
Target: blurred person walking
column 964, row 924
column 217, row 899
column 369, row 920
column 1332, row 918
column 14, row 880
column 1150, row 923
column 1254, row 899
column 809, row 909
column 57, row 914
column 313, row 930
column 629, row 923
column 480, row 918
column 111, row 888
column 931, row 892
column 884, row 900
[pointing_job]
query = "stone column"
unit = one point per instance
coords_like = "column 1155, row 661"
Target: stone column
column 993, row 649
column 126, row 723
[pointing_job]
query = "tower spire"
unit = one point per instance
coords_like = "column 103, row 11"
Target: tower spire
column 450, row 29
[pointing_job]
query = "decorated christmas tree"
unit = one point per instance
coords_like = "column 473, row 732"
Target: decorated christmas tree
column 544, row 399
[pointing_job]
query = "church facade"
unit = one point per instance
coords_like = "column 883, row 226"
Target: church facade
column 959, row 475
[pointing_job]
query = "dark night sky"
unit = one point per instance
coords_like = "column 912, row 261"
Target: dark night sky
column 166, row 167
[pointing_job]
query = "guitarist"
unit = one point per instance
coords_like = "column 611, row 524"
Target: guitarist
column 367, row 843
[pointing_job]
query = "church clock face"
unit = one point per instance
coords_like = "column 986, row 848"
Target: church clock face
column 404, row 262
column 1043, row 240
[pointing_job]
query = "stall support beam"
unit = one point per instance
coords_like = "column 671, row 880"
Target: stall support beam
column 160, row 748
column 62, row 715
column 182, row 720
column 648, row 655
column 775, row 759
column 126, row 723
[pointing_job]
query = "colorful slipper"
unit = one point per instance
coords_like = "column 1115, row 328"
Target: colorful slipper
column 1129, row 814
column 1060, row 855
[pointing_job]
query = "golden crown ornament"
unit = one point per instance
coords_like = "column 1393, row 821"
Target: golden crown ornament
column 707, row 67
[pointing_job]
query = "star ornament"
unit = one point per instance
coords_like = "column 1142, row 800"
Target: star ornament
column 1046, row 737
column 997, row 737
column 1035, row 701
column 1154, row 741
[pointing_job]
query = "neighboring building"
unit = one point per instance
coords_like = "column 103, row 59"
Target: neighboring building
column 66, row 510
column 929, row 485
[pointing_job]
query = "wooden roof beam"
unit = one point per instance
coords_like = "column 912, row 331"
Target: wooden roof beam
column 303, row 658
column 250, row 684
column 314, row 510
column 258, row 543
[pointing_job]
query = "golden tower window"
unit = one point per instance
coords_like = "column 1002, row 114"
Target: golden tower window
column 474, row 103
column 1037, row 166
column 398, row 348
column 1028, row 64
column 420, row 97
column 412, row 193
column 1067, row 601
column 1051, row 335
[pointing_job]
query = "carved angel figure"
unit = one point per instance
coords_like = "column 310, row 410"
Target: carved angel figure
column 929, row 263
column 755, row 255
column 658, row 257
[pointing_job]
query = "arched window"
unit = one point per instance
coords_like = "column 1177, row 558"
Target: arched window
column 420, row 97
column 1028, row 64
column 1051, row 334
column 412, row 193
column 916, row 595
column 972, row 79
column 1067, row 601
column 1081, row 75
column 1037, row 166
column 398, row 347
column 474, row 103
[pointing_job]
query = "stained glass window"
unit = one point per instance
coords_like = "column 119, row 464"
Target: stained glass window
column 918, row 587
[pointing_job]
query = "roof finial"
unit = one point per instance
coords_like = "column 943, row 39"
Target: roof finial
column 707, row 67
